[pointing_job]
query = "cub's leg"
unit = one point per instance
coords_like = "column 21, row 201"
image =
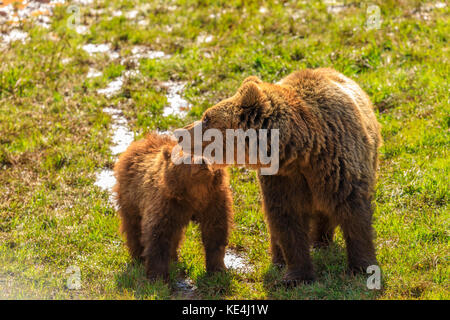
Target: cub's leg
column 215, row 224
column 356, row 223
column 131, row 226
column 289, row 223
column 322, row 230
column 161, row 229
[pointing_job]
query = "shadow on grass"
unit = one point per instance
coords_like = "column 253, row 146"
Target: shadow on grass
column 207, row 286
column 333, row 282
column 214, row 286
column 133, row 281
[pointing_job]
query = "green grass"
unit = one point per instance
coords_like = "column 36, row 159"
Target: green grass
column 54, row 137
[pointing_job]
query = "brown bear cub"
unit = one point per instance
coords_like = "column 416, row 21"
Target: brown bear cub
column 158, row 198
column 328, row 156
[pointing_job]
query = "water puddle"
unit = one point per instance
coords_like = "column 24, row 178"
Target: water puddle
column 112, row 88
column 424, row 12
column 263, row 10
column 178, row 106
column 336, row 8
column 81, row 29
column 137, row 53
column 132, row 74
column 96, row 48
column 15, row 35
column 131, row 14
column 143, row 52
column 236, row 261
column 143, row 23
column 96, row 12
column 83, row 2
column 93, row 73
column 204, row 38
column 38, row 11
column 105, row 48
column 122, row 136
column 105, row 180
column 186, row 288
column 117, row 13
column 432, row 6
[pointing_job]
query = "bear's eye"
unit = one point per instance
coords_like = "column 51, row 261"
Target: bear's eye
column 205, row 121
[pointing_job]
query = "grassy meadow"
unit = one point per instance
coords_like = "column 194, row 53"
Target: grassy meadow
column 55, row 138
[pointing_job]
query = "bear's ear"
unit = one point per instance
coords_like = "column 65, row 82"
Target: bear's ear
column 254, row 79
column 251, row 95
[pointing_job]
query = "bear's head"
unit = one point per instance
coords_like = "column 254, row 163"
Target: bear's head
column 245, row 109
column 256, row 105
column 187, row 179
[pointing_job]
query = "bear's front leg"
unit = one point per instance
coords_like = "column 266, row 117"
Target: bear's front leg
column 161, row 232
column 275, row 250
column 215, row 225
column 289, row 225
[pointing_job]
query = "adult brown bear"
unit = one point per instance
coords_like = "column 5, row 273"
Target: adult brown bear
column 157, row 198
column 328, row 157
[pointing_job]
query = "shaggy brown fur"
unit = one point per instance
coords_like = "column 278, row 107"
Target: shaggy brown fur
column 329, row 139
column 157, row 199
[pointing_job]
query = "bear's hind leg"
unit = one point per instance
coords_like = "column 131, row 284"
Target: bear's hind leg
column 130, row 225
column 356, row 224
column 160, row 232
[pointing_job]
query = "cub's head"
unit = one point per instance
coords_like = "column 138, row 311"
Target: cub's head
column 180, row 167
column 187, row 175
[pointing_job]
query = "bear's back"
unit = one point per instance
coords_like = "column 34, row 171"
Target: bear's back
column 344, row 114
column 336, row 97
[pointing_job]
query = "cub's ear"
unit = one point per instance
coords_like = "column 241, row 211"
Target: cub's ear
column 251, row 95
column 254, row 79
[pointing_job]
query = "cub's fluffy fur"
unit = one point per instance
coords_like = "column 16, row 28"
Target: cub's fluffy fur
column 157, row 199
